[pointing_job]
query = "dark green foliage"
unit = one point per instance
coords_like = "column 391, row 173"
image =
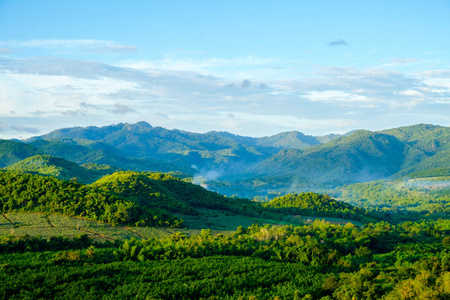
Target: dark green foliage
column 12, row 152
column 11, row 244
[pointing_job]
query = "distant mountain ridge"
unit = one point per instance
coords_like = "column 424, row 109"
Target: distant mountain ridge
column 287, row 162
column 360, row 157
column 212, row 150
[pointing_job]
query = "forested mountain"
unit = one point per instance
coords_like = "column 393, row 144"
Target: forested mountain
column 162, row 148
column 246, row 166
column 359, row 157
column 362, row 156
column 141, row 140
column 86, row 151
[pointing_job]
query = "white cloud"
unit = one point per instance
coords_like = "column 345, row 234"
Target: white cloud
column 443, row 82
column 47, row 94
column 335, row 96
column 83, row 45
column 411, row 93
column 197, row 64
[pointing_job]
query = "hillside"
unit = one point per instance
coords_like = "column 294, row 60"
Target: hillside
column 362, row 156
column 165, row 150
column 359, row 157
column 12, row 152
column 246, row 166
column 85, row 151
column 35, row 193
column 428, row 147
column 122, row 197
column 166, row 192
column 313, row 204
column 424, row 193
column 61, row 168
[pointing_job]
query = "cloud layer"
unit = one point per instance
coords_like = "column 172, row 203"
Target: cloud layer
column 39, row 95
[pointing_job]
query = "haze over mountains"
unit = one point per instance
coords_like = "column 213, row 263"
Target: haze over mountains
column 288, row 160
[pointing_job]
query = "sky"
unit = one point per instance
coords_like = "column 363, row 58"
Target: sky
column 253, row 68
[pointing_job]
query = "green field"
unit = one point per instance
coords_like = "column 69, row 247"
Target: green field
column 47, row 226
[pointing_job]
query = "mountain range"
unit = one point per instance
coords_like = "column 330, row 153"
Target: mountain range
column 288, row 161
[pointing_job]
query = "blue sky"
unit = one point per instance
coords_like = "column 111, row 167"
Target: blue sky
column 248, row 67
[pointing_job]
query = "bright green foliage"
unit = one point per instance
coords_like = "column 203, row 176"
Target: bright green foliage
column 61, row 168
column 25, row 192
column 313, row 204
column 404, row 196
column 147, row 189
column 163, row 191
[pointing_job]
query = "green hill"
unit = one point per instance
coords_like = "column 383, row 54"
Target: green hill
column 362, row 156
column 35, row 193
column 61, row 168
column 12, row 152
column 410, row 197
column 163, row 191
column 313, row 204
column 122, row 197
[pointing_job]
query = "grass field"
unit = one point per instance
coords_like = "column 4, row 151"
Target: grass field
column 46, row 226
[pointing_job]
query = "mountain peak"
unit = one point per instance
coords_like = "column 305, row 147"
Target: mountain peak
column 143, row 124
